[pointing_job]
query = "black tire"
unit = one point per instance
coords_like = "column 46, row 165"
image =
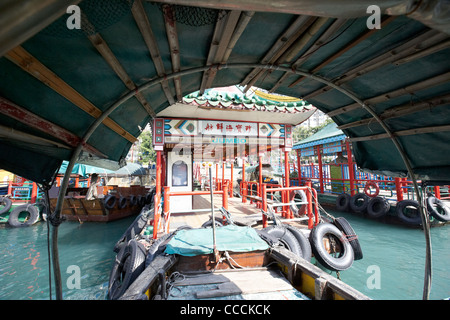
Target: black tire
column 133, row 201
column 343, row 202
column 110, row 201
column 157, row 248
column 129, row 264
column 438, row 209
column 5, row 204
column 378, row 207
column 285, row 238
column 149, row 197
column 31, row 210
column 359, row 202
column 344, row 260
column 141, row 200
column 303, row 242
column 122, row 203
column 208, row 224
column 134, row 229
column 299, row 195
column 342, row 224
column 408, row 212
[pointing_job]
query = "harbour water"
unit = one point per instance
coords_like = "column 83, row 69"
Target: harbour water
column 392, row 267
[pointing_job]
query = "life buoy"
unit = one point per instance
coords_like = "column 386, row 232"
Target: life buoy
column 367, row 189
column 286, row 239
column 110, row 201
column 6, row 203
column 348, row 231
column 378, row 207
column 128, row 265
column 345, row 258
column 438, row 209
column 32, row 218
column 359, row 202
column 343, row 202
column 408, row 212
column 299, row 194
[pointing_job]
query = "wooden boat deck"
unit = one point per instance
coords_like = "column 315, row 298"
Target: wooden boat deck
column 242, row 212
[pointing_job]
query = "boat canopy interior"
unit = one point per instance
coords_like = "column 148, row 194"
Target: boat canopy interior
column 96, row 72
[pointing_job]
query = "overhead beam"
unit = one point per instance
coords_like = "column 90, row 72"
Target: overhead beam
column 172, row 37
column 366, row 34
column 416, row 47
column 402, row 110
column 30, row 119
column 221, row 43
column 408, row 132
column 22, row 19
column 421, row 85
column 102, row 47
column 315, row 46
column 284, row 41
column 34, row 67
column 143, row 24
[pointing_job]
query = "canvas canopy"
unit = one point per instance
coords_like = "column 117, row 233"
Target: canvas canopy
column 386, row 89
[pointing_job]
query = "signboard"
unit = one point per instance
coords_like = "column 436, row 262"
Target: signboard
column 228, row 128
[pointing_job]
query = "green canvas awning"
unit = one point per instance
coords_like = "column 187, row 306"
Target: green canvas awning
column 133, row 59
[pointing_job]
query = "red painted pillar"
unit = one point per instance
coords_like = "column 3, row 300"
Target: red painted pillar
column 319, row 159
column 264, row 204
column 351, row 171
column 299, row 167
column 166, row 206
column 217, row 174
column 398, row 189
column 286, row 183
column 225, row 195
column 309, row 208
column 33, row 193
column 231, row 180
column 223, row 174
column 158, row 192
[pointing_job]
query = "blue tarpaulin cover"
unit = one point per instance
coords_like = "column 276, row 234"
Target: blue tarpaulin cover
column 192, row 242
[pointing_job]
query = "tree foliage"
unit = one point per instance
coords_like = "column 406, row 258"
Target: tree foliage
column 146, row 152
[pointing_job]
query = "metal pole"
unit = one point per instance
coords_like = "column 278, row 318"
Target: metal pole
column 213, row 216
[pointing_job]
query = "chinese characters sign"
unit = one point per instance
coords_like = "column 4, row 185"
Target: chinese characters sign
column 228, row 128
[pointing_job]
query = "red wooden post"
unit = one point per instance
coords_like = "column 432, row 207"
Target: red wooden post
column 223, row 173
column 319, row 157
column 351, row 171
column 299, row 167
column 33, row 193
column 231, row 180
column 437, row 192
column 398, row 189
column 264, row 204
column 225, row 195
column 217, row 177
column 158, row 193
column 309, row 207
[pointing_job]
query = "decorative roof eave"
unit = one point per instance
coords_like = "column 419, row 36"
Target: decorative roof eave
column 241, row 104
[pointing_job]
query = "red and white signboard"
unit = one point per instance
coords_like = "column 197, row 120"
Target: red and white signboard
column 228, row 128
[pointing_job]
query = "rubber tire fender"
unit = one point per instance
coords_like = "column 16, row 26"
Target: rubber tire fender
column 129, row 264
column 344, row 260
column 342, row 224
column 343, row 202
column 431, row 203
column 399, row 210
column 134, row 229
column 122, row 202
column 208, row 224
column 133, row 201
column 32, row 210
column 7, row 204
column 286, row 238
column 110, row 201
column 298, row 194
column 378, row 207
column 303, row 242
column 355, row 199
